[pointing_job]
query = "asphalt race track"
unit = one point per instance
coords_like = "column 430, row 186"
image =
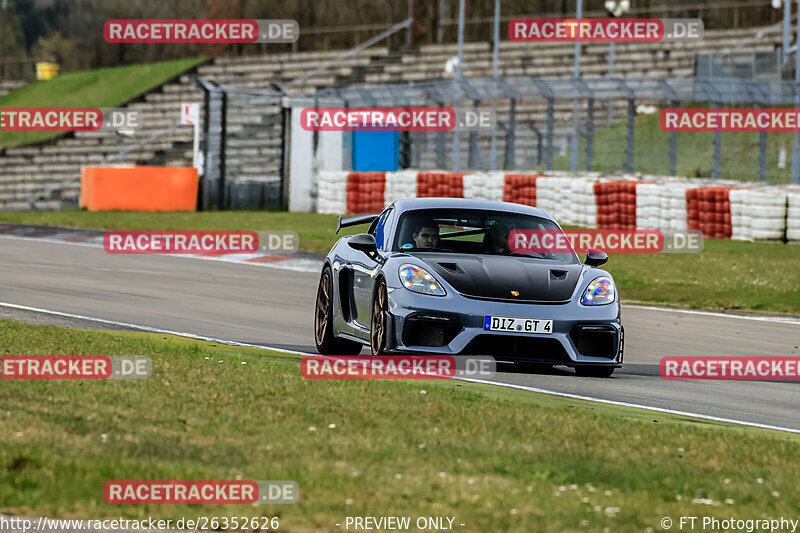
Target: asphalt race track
column 272, row 307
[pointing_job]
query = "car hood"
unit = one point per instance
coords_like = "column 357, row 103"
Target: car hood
column 496, row 276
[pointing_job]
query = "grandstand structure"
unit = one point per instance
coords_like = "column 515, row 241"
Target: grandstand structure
column 49, row 171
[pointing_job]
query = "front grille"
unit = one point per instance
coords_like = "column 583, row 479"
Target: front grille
column 430, row 330
column 533, row 349
column 595, row 341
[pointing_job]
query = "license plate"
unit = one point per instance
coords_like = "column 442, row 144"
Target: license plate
column 517, row 325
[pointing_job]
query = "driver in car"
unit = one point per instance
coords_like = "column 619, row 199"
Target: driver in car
column 426, row 234
column 499, row 240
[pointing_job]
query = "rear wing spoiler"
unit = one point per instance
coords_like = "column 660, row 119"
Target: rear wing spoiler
column 355, row 220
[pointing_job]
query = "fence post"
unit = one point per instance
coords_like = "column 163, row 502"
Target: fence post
column 673, row 145
column 285, row 128
column 549, row 124
column 717, row 150
column 762, row 156
column 511, row 135
column 629, row 137
column 589, row 132
column 440, row 148
column 203, row 200
column 538, row 146
column 222, row 148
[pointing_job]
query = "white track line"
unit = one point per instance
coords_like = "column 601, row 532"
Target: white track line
column 507, row 385
column 778, row 319
column 148, row 328
column 636, row 405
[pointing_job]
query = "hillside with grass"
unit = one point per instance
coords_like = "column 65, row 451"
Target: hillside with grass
column 108, row 87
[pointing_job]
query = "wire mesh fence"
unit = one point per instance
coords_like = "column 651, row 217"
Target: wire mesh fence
column 618, row 125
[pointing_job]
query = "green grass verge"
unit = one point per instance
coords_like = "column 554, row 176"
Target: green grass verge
column 107, row 87
column 738, row 155
column 495, row 459
column 726, row 274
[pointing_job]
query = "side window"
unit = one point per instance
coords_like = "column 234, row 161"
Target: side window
column 381, row 229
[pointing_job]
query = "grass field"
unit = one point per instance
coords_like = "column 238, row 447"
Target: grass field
column 726, row 274
column 106, row 87
column 738, row 154
column 495, row 459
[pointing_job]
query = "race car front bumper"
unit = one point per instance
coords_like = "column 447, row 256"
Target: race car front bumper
column 454, row 325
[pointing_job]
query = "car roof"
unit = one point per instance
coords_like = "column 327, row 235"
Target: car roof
column 465, row 203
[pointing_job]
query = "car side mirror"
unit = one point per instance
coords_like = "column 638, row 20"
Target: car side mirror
column 363, row 242
column 595, row 257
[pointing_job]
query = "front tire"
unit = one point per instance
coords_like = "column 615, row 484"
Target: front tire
column 326, row 343
column 594, row 371
column 379, row 321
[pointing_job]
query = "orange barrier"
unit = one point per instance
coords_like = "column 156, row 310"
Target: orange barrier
column 139, row 188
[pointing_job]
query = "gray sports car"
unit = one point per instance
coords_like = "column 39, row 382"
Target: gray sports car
column 437, row 276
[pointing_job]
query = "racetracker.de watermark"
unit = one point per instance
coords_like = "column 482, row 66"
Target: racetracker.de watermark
column 397, row 119
column 75, row 367
column 610, row 241
column 201, row 492
column 396, row 367
column 605, row 30
column 200, row 242
column 730, row 120
column 69, row 119
column 200, row 31
column 731, row 368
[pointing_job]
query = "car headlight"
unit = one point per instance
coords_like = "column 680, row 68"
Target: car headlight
column 599, row 292
column 418, row 279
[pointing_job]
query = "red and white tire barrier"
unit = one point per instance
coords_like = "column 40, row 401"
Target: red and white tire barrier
column 709, row 210
column 616, row 204
column 332, row 191
column 661, row 206
column 720, row 209
column 793, row 216
column 569, row 199
column 440, row 185
column 520, row 188
column 758, row 214
column 484, row 185
column 400, row 184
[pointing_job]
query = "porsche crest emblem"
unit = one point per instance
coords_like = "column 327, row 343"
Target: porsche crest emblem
column 514, row 293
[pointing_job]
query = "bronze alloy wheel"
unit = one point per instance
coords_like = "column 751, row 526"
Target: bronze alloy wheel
column 321, row 318
column 327, row 343
column 378, row 323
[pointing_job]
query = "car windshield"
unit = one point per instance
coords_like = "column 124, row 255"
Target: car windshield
column 470, row 231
